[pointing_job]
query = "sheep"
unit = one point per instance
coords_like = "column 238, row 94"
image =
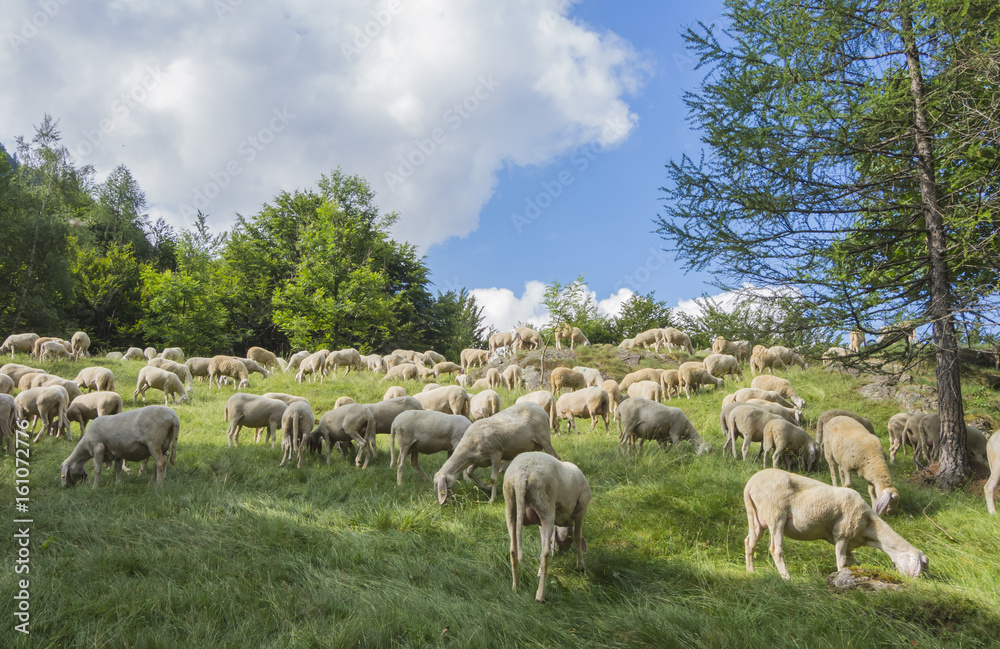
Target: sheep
column 198, row 365
column 573, row 334
column 90, row 406
column 435, row 357
column 779, row 385
column 175, row 354
column 234, row 368
column 405, row 372
column 6, row 384
column 296, row 423
column 628, row 343
column 50, row 349
column 539, row 489
column 791, row 415
column 675, row 338
column 314, row 364
column 736, row 348
column 804, row 509
column 646, row 339
column 857, row 341
column 447, row 367
column 849, row 446
column 263, row 357
column 593, row 377
column 831, row 355
column 134, row 354
column 614, row 394
column 513, row 377
column 911, row 433
column 724, row 421
column 898, row 437
column 80, row 342
column 528, row 338
column 392, row 360
column 470, row 357
column 645, row 390
column 8, row 420
column 670, row 382
column 394, row 392
column 764, row 359
column 385, row 412
column 837, row 412
column 114, row 356
column 27, row 380
column 781, row 435
column 485, row 404
column 425, row 373
column 354, row 422
column 745, row 394
column 289, row 399
column 463, row 380
column 479, row 384
column 46, row 404
column 182, row 371
column 722, row 365
column 427, row 432
column 993, row 454
column 149, row 353
column 695, row 375
column 748, row 421
column 643, row 419
column 489, row 442
column 96, row 378
column 545, row 400
column 131, row 436
column 252, row 411
column 493, row 378
column 502, row 340
column 154, row 377
column 588, row 402
column 975, row 444
column 788, row 357
column 36, row 348
column 349, row 358
column 645, row 374
column 23, row 343
column 45, row 380
column 449, row 399
column 563, row 377
column 295, row 361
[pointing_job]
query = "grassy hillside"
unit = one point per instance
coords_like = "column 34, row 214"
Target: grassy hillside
column 235, row 552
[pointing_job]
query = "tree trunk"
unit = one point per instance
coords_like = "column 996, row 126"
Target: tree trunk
column 953, row 463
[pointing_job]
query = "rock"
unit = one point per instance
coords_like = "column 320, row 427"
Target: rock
column 854, row 578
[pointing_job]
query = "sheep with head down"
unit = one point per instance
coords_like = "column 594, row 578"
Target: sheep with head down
column 23, row 343
column 96, row 378
column 849, row 446
column 426, row 432
column 642, row 419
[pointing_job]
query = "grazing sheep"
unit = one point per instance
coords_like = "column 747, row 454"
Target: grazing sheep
column 788, row 356
column 646, row 339
column 781, row 436
column 804, row 509
column 480, row 384
column 670, row 381
column 641, row 419
column 92, row 405
column 221, row 366
column 394, row 392
column 435, row 357
column 779, row 385
column 485, row 404
column 52, row 349
column 296, row 423
column 343, row 401
column 831, row 355
column 6, row 384
column 489, row 442
column 722, row 365
column 36, row 348
column 252, row 411
column 405, row 372
column 593, row 377
column 539, row 489
column 837, row 412
column 528, row 338
column 289, row 399
column 349, row 358
column 912, row 432
column 81, row 344
column 765, row 359
column 513, row 377
column 748, row 421
column 154, row 377
column 737, row 348
column 695, row 375
column 131, row 436
column 857, row 341
column 588, row 402
column 427, row 432
column 463, row 380
column 547, row 402
column 149, row 353
column 449, row 399
column 28, row 379
column 447, row 367
column 745, row 394
column 16, row 371
column 23, row 343
column 677, row 339
column 134, row 354
column 182, row 371
column 45, row 380
column 295, row 361
column 175, row 354
column 790, row 415
column 645, row 374
column 46, row 404
column 563, row 377
column 470, row 357
column 312, row 365
column 198, row 366
column 503, row 340
column 253, row 366
column 8, row 420
column 114, row 356
column 849, row 446
column 993, row 454
column 646, row 390
column 898, row 437
column 385, row 412
column 424, row 373
column 628, row 343
column 614, row 394
column 493, row 378
column 96, row 378
column 354, row 422
column 573, row 334
column 261, row 356
column 392, row 360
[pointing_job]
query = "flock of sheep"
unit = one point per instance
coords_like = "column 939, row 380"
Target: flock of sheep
column 477, row 432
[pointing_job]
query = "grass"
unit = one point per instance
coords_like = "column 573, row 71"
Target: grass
column 234, row 551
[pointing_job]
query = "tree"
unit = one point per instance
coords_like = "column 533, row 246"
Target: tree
column 852, row 156
column 640, row 313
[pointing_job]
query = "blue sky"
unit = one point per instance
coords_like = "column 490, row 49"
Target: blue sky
column 461, row 114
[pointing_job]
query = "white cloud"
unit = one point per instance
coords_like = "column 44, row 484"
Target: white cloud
column 502, row 309
column 612, row 305
column 427, row 99
column 727, row 301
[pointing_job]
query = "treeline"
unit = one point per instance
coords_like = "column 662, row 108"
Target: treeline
column 311, row 268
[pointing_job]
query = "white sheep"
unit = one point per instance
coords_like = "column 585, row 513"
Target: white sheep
column 175, row 354
column 80, row 342
column 27, row 379
column 748, row 421
column 449, row 399
column 564, row 377
column 470, row 357
column 36, row 348
column 898, row 438
column 479, row 384
column 745, row 394
column 779, row 385
column 614, row 394
column 134, row 354
column 183, row 372
column 427, row 432
column 52, row 349
column 252, row 411
column 15, row 371
column 539, row 489
column 694, row 375
column 405, row 372
column 722, row 365
column 96, row 378
column 435, row 357
column 463, row 380
column 149, row 353
column 8, row 420
column 295, row 361
column 198, row 366
column 593, row 377
column 513, row 376
column 573, row 334
column 839, row 412
column 503, row 340
column 528, row 338
column 47, row 404
column 588, row 402
column 547, row 402
column 343, row 401
column 670, row 381
column 394, row 392
column 312, row 365
column 263, row 357
column 736, row 348
column 349, row 358
column 645, row 390
column 222, row 366
column 87, row 407
column 253, row 366
column 45, row 380
column 373, row 362
column 447, row 367
column 484, row 404
column 645, row 374
column 848, row 447
column 296, row 423
column 6, row 384
column 677, row 339
column 489, row 442
column 993, row 454
column 642, row 419
column 385, row 412
column 791, row 416
column 23, row 343
column 131, row 436
column 154, row 377
column 351, row 423
column 781, row 436
column 804, row 509
column 493, row 378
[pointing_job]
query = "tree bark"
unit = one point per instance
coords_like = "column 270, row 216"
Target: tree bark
column 953, row 461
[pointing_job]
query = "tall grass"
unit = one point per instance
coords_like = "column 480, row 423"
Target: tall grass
column 234, row 552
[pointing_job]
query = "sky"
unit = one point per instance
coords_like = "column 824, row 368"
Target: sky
column 521, row 142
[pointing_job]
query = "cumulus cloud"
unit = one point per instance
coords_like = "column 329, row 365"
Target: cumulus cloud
column 611, row 306
column 219, row 104
column 727, row 301
column 502, row 310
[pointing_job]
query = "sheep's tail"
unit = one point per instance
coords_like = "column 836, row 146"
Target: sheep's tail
column 175, row 432
column 520, row 490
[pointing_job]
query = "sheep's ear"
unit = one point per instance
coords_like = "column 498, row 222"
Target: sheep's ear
column 882, row 502
column 441, row 486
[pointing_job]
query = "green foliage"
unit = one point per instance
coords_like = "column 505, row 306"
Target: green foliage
column 639, row 313
column 108, row 294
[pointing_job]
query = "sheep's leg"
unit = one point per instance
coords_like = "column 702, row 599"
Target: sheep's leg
column 286, row 451
column 403, row 451
column 991, row 487
column 98, row 463
column 777, row 552
column 746, row 446
column 833, row 470
column 844, row 557
column 415, row 463
column 362, row 450
column 160, row 460
column 547, row 528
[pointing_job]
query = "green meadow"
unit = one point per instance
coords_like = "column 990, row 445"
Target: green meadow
column 234, row 551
